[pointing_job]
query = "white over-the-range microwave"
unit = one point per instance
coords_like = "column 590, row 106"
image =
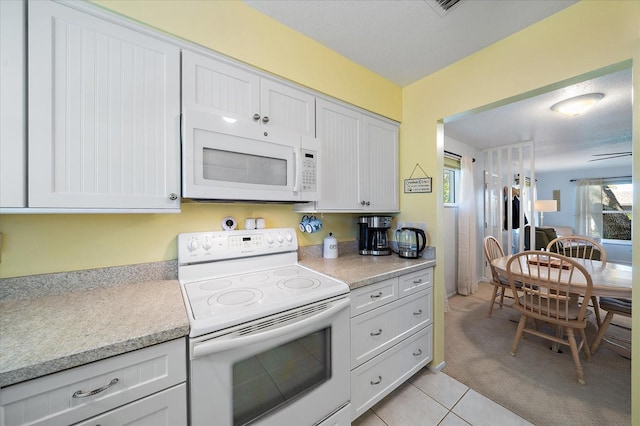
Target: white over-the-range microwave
column 223, row 159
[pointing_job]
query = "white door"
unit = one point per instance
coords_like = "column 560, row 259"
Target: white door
column 13, row 138
column 379, row 165
column 104, row 111
column 286, row 108
column 340, row 130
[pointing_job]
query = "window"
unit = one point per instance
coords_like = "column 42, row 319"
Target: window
column 450, row 180
column 617, row 206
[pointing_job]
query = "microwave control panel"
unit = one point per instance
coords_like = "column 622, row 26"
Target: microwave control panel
column 309, row 170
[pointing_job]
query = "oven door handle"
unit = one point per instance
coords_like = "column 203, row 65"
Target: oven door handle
column 220, row 345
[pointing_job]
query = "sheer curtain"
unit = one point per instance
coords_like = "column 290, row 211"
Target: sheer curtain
column 589, row 208
column 467, row 283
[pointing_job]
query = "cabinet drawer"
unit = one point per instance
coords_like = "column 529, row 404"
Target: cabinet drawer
column 379, row 329
column 366, row 298
column 375, row 379
column 415, row 281
column 166, row 408
column 49, row 400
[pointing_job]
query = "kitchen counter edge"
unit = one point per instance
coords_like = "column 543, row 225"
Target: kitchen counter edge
column 359, row 271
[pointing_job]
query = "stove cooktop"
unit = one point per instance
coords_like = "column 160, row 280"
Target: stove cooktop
column 221, row 293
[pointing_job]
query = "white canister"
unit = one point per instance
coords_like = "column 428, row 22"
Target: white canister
column 330, row 247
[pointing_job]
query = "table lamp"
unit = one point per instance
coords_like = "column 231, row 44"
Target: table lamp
column 545, row 206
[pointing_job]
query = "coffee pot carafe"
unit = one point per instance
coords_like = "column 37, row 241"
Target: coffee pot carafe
column 409, row 244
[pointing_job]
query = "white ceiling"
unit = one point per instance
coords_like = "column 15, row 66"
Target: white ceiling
column 560, row 142
column 406, row 40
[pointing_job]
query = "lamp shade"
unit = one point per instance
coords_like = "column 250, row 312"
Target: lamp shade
column 546, row 205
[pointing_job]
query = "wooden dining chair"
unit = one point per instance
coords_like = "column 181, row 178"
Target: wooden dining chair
column 585, row 248
column 549, row 295
column 613, row 306
column 493, row 250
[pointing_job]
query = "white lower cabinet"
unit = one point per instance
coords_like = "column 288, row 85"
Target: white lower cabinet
column 143, row 387
column 390, row 341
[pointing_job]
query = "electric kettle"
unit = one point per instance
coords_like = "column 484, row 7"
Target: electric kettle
column 409, row 244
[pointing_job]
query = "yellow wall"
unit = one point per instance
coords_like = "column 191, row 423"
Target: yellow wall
column 73, row 242
column 585, row 37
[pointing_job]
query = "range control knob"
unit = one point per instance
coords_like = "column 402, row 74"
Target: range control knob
column 207, row 243
column 270, row 239
column 280, row 239
column 193, row 245
column 289, row 236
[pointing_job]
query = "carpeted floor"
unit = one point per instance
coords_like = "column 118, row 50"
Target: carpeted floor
column 537, row 384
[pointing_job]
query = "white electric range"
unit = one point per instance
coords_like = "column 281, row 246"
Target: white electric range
column 269, row 338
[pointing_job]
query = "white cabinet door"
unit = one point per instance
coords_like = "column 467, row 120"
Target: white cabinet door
column 287, row 108
column 340, row 131
column 359, row 165
column 104, row 111
column 222, row 89
column 216, row 87
column 13, row 114
column 379, row 159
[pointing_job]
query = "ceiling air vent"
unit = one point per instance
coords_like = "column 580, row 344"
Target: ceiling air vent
column 441, row 7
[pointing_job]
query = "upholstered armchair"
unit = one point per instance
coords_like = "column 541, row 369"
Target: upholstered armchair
column 543, row 237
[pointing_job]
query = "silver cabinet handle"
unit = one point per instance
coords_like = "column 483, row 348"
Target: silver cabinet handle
column 265, row 119
column 80, row 394
column 173, row 196
column 418, row 281
column 377, row 382
column 256, row 117
column 375, row 296
column 368, row 203
column 362, row 202
column 418, row 353
column 418, row 313
column 378, row 333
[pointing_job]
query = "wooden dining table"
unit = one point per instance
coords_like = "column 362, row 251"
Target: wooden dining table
column 610, row 279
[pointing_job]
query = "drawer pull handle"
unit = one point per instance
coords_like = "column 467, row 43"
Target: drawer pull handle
column 418, row 313
column 378, row 333
column 80, row 394
column 418, row 281
column 375, row 296
column 378, row 381
column 418, row 353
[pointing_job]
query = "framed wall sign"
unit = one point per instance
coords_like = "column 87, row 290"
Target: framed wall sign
column 417, row 185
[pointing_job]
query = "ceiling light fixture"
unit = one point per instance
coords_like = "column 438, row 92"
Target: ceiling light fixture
column 577, row 105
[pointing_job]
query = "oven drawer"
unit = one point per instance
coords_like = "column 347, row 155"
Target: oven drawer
column 370, row 297
column 49, row 400
column 379, row 329
column 376, row 378
column 415, row 281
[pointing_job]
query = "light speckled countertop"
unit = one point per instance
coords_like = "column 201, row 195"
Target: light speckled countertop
column 47, row 334
column 358, row 271
column 51, row 323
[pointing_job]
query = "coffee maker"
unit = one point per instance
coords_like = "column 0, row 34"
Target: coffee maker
column 372, row 236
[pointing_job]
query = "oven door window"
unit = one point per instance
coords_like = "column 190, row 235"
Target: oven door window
column 275, row 377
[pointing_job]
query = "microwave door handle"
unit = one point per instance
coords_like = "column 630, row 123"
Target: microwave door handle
column 219, row 345
column 296, row 158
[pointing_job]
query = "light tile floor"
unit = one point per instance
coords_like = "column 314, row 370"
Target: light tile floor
column 430, row 399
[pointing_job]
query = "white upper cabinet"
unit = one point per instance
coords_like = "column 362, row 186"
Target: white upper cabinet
column 13, row 113
column 104, row 113
column 379, row 159
column 359, row 165
column 227, row 90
